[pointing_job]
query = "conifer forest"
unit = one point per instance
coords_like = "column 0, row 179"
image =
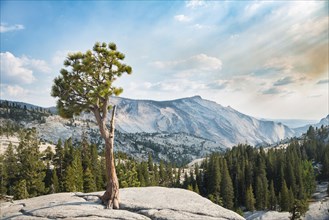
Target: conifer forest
column 242, row 178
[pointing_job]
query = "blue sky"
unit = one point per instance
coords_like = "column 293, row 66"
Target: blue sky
column 263, row 58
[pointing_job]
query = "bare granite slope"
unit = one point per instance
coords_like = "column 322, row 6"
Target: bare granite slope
column 136, row 203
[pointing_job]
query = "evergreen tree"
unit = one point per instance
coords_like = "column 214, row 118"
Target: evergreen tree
column 143, row 174
column 170, row 176
column 86, row 84
column 96, row 167
column 178, row 177
column 31, row 167
column 308, row 178
column 69, row 180
column 214, row 176
column 299, row 208
column 59, row 164
column 250, row 199
column 162, row 174
column 20, row 190
column 150, row 162
column 10, row 169
column 78, row 171
column 272, row 197
column 198, row 179
column 259, row 194
column 226, row 191
column 55, row 187
column 3, row 177
column 284, row 197
column 128, row 176
column 156, row 179
column 89, row 184
column 47, row 179
column 85, row 152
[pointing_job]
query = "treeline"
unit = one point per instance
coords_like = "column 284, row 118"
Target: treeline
column 20, row 112
column 275, row 179
column 26, row 172
column 242, row 177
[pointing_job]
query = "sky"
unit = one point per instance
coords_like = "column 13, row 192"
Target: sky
column 267, row 59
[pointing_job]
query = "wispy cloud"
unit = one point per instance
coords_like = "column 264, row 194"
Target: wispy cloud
column 4, row 27
column 195, row 3
column 20, row 69
column 323, row 81
column 218, row 85
column 201, row 62
column 271, row 91
column 15, row 90
column 284, row 81
column 182, row 18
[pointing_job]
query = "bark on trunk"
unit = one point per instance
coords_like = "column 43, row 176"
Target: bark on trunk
column 111, row 195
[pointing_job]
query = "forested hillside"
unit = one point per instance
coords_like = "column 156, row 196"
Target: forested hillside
column 243, row 178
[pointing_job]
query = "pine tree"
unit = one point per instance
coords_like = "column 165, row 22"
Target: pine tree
column 95, row 72
column 150, row 162
column 198, row 179
column 250, row 199
column 178, row 177
column 259, row 194
column 89, row 184
column 31, row 167
column 284, row 196
column 20, row 190
column 47, row 179
column 10, row 169
column 214, row 176
column 85, row 152
column 78, row 171
column 156, row 175
column 59, row 164
column 69, row 180
column 299, row 208
column 170, row 176
column 162, row 174
column 272, row 197
column 55, row 187
column 226, row 191
column 3, row 177
column 96, row 167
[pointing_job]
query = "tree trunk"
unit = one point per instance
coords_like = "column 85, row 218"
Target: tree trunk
column 111, row 195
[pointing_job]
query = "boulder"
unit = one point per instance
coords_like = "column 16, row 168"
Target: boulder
column 143, row 203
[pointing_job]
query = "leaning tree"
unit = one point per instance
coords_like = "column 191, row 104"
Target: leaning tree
column 86, row 84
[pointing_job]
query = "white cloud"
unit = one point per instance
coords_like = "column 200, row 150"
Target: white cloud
column 7, row 28
column 14, row 91
column 202, row 26
column 20, row 70
column 310, row 28
column 201, row 62
column 37, row 65
column 251, row 9
column 13, row 69
column 182, row 18
column 195, row 3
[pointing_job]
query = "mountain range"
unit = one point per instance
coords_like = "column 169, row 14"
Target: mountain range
column 182, row 129
column 199, row 117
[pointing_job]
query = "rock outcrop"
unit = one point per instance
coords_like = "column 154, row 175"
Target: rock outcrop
column 143, row 203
